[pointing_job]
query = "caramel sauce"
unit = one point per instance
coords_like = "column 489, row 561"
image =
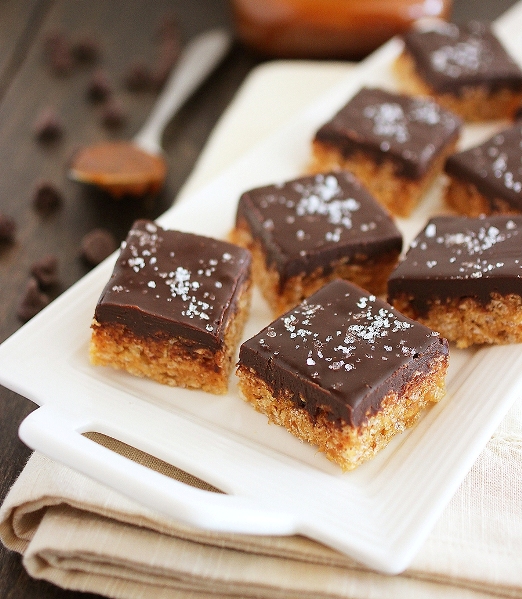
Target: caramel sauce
column 347, row 29
column 120, row 168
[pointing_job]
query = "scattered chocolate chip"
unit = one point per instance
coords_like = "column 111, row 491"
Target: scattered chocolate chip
column 97, row 245
column 138, row 77
column 33, row 300
column 58, row 53
column 47, row 126
column 168, row 55
column 113, row 115
column 86, row 50
column 47, row 197
column 168, row 51
column 99, row 88
column 45, row 271
column 168, row 27
column 7, row 228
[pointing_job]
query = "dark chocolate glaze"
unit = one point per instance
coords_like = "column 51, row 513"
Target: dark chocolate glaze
column 172, row 284
column 314, row 222
column 340, row 352
column 409, row 131
column 460, row 257
column 452, row 58
column 494, row 167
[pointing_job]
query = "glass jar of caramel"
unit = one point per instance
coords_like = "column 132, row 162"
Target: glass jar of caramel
column 336, row 29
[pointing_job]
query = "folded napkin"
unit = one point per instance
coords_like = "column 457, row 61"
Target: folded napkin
column 81, row 535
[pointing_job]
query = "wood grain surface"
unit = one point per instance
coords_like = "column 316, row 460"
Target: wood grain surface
column 125, row 31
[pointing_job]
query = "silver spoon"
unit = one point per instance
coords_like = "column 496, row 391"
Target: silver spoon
column 137, row 167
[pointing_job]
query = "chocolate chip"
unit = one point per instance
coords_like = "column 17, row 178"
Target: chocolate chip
column 33, row 301
column 113, row 115
column 86, row 50
column 47, row 197
column 48, row 126
column 168, row 55
column 45, row 271
column 168, row 27
column 99, row 88
column 138, row 77
column 7, row 228
column 97, row 245
column 58, row 53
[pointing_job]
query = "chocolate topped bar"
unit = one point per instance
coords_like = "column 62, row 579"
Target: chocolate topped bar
column 494, row 168
column 456, row 258
column 451, row 58
column 411, row 132
column 168, row 283
column 340, row 354
column 314, row 222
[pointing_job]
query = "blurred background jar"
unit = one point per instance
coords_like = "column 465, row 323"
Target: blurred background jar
column 336, row 29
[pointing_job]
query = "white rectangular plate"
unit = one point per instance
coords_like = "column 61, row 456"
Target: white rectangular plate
column 379, row 514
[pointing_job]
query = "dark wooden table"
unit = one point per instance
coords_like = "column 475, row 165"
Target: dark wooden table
column 125, row 30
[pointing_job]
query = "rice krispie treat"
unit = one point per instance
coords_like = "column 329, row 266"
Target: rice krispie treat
column 305, row 232
column 465, row 68
column 463, row 278
column 487, row 179
column 343, row 371
column 174, row 308
column 396, row 145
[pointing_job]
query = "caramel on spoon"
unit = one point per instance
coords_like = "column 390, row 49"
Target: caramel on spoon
column 137, row 167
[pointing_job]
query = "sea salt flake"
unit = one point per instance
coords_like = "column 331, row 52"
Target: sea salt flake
column 431, row 230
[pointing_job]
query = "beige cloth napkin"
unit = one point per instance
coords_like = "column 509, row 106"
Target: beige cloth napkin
column 81, row 535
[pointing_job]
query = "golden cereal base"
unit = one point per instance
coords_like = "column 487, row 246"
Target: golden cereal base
column 348, row 446
column 475, row 104
column 467, row 322
column 371, row 275
column 466, row 199
column 399, row 195
column 171, row 361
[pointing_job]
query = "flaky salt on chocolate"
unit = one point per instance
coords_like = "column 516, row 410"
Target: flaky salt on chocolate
column 396, row 145
column 463, row 277
column 487, row 179
column 307, row 231
column 465, row 68
column 174, row 308
column 343, row 371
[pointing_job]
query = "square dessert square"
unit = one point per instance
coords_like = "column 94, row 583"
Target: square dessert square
column 462, row 277
column 396, row 145
column 343, row 371
column 465, row 68
column 487, row 179
column 174, row 308
column 305, row 232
